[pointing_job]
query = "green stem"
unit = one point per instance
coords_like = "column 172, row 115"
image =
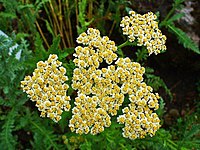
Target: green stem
column 167, row 17
column 122, row 45
column 127, row 43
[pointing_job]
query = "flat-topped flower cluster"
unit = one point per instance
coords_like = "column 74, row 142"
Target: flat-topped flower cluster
column 101, row 90
column 47, row 88
column 144, row 29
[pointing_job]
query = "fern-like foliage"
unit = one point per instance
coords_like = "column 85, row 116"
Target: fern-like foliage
column 184, row 39
column 11, row 98
column 44, row 138
column 7, row 140
column 12, row 69
column 156, row 82
column 82, row 17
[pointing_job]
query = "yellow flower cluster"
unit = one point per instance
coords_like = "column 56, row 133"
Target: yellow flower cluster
column 96, row 50
column 145, row 29
column 87, row 117
column 101, row 91
column 97, row 88
column 47, row 88
column 139, row 118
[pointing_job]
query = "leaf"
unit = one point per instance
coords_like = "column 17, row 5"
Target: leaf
column 184, row 39
column 141, row 54
column 54, row 47
column 25, row 6
column 49, row 28
column 156, row 82
column 48, row 137
column 20, row 36
column 176, row 2
column 8, row 141
column 66, row 52
column 175, row 17
column 7, row 15
column 194, row 130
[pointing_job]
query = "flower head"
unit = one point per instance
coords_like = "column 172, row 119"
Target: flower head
column 144, row 29
column 139, row 118
column 101, row 90
column 47, row 88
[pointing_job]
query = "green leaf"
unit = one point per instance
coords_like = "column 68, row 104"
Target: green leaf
column 25, row 6
column 7, row 140
column 177, row 2
column 184, row 39
column 66, row 52
column 194, row 130
column 49, row 28
column 7, row 15
column 175, row 17
column 54, row 47
column 40, row 52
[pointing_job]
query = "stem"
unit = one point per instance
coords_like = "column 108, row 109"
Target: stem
column 111, row 30
column 41, row 33
column 127, row 43
column 69, row 24
column 123, row 44
column 168, row 15
column 76, row 3
column 57, row 23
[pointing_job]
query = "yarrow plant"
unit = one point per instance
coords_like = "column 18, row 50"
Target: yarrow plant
column 47, row 88
column 101, row 90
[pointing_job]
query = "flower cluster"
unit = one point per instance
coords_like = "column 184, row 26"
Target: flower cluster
column 145, row 29
column 87, row 115
column 47, row 88
column 97, row 88
column 138, row 117
column 101, row 91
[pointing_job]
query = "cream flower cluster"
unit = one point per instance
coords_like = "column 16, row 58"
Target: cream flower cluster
column 97, row 49
column 138, row 117
column 101, row 91
column 87, row 117
column 47, row 88
column 98, row 87
column 145, row 29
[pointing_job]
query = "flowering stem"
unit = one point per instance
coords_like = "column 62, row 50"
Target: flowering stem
column 127, row 43
column 123, row 44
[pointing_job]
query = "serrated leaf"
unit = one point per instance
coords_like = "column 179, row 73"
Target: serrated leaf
column 40, row 52
column 7, row 140
column 184, row 39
